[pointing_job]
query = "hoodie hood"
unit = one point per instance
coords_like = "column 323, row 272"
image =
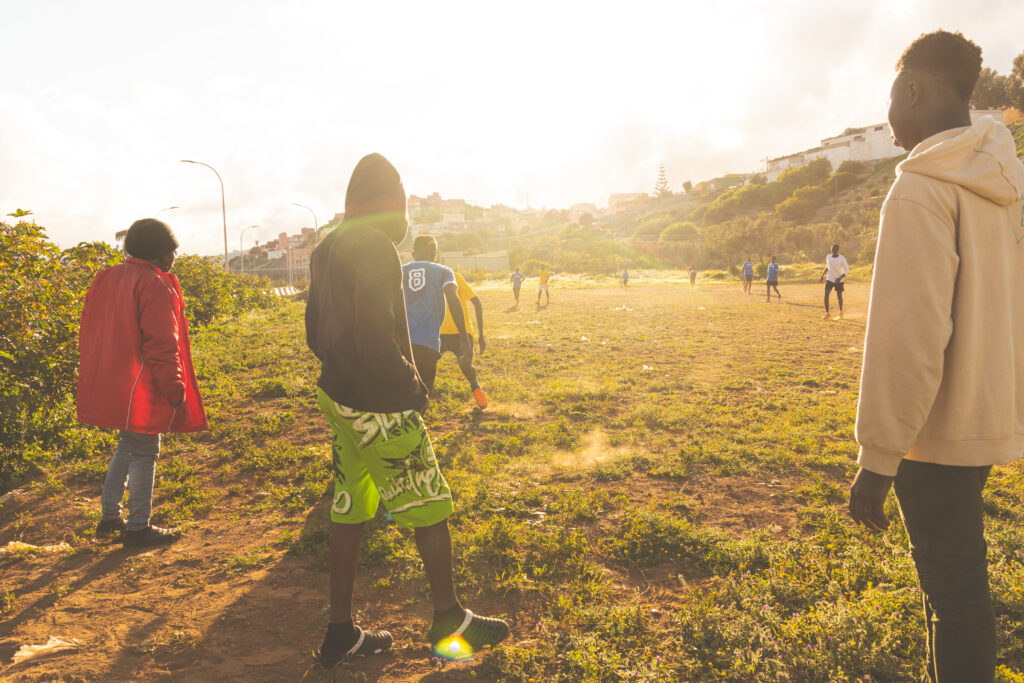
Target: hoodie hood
column 981, row 158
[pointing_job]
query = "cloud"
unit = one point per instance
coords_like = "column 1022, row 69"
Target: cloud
column 552, row 103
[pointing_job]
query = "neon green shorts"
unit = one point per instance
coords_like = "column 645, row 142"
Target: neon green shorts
column 384, row 457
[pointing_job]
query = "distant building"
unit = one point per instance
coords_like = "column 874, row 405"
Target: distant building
column 870, row 143
column 434, row 202
column 618, row 203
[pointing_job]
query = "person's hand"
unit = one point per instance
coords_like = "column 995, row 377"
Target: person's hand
column 867, row 499
column 483, row 344
column 821, row 279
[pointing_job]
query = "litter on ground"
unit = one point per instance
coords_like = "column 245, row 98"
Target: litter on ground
column 20, row 547
column 53, row 645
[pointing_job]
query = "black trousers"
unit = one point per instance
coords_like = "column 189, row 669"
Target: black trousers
column 942, row 510
column 426, row 364
column 838, row 286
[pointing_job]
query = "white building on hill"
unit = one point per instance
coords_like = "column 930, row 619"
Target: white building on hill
column 871, row 143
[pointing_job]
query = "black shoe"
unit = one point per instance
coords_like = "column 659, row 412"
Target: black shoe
column 149, row 536
column 477, row 632
column 106, row 527
column 367, row 643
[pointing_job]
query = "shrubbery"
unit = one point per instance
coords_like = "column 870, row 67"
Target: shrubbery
column 212, row 293
column 678, row 231
column 41, row 294
column 804, row 203
column 577, row 250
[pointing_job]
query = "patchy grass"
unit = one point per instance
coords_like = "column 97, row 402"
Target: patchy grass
column 656, row 492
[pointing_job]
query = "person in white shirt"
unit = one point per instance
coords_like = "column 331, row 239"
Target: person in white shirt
column 837, row 269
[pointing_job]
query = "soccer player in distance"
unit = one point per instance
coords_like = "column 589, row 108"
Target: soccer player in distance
column 459, row 342
column 748, row 275
column 517, row 284
column 773, row 279
column 836, row 268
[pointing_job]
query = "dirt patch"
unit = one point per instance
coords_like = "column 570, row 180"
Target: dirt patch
column 593, row 449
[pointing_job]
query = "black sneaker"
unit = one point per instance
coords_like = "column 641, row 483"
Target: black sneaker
column 367, row 643
column 474, row 631
column 106, row 527
column 149, row 536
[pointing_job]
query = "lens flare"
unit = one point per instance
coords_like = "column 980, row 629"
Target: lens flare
column 453, row 648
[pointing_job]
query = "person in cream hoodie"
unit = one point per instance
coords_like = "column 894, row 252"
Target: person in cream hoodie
column 942, row 385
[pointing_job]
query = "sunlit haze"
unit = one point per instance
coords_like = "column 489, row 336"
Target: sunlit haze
column 530, row 103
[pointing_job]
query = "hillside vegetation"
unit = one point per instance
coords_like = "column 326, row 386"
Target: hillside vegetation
column 797, row 218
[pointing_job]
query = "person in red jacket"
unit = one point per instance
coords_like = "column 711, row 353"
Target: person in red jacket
column 135, row 374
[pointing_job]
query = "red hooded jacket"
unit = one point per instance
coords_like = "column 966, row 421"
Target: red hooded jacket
column 135, row 364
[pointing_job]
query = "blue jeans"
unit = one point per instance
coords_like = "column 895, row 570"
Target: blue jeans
column 133, row 462
column 942, row 510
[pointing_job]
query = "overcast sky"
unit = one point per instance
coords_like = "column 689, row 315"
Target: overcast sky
column 540, row 103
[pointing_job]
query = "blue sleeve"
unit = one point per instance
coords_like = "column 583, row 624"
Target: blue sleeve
column 447, row 276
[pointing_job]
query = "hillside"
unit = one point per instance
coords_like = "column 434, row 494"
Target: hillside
column 795, row 218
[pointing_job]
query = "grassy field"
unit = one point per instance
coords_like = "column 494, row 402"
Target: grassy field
column 656, row 492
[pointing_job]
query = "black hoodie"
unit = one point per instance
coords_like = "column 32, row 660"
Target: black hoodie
column 356, row 323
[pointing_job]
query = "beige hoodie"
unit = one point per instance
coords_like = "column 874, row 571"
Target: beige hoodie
column 943, row 375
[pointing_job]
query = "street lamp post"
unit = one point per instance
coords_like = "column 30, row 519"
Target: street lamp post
column 166, row 208
column 316, row 225
column 316, row 232
column 241, row 252
column 223, row 211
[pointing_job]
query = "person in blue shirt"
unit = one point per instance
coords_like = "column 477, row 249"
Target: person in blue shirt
column 625, row 278
column 748, row 275
column 773, row 279
column 427, row 285
column 517, row 284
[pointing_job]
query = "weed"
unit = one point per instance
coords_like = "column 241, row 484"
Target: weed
column 249, row 561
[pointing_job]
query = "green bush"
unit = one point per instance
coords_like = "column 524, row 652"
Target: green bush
column 651, row 225
column 678, row 231
column 211, row 293
column 533, row 267
column 41, row 297
column 804, row 203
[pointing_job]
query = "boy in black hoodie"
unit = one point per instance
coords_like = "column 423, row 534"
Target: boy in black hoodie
column 371, row 394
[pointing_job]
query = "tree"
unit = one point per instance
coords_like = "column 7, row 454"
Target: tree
column 678, row 231
column 585, row 220
column 119, row 238
column 661, row 186
column 992, row 91
column 1017, row 82
column 687, row 187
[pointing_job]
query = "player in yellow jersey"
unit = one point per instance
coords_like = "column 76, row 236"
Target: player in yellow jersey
column 544, row 277
column 451, row 340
